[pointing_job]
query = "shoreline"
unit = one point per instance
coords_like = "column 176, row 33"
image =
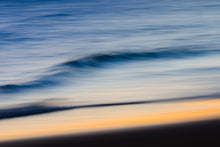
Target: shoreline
column 148, row 124
column 190, row 133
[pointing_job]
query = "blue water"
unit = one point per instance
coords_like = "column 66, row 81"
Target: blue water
column 102, row 52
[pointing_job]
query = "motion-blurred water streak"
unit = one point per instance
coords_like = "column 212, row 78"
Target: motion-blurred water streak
column 107, row 51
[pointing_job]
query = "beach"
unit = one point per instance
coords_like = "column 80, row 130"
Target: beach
column 186, row 134
column 186, row 122
column 109, row 72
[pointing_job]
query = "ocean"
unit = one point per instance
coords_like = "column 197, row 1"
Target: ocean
column 71, row 54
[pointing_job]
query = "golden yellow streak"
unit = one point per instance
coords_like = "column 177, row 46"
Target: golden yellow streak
column 169, row 113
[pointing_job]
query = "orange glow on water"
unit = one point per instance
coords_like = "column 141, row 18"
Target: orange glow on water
column 98, row 119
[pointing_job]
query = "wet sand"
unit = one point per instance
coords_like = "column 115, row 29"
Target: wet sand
column 186, row 123
column 183, row 134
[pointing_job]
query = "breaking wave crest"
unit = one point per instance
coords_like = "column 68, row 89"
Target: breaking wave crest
column 97, row 61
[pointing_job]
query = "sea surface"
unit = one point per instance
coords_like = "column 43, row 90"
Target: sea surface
column 58, row 55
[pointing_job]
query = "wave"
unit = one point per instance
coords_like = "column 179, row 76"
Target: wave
column 12, row 88
column 161, row 53
column 49, row 107
column 70, row 67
